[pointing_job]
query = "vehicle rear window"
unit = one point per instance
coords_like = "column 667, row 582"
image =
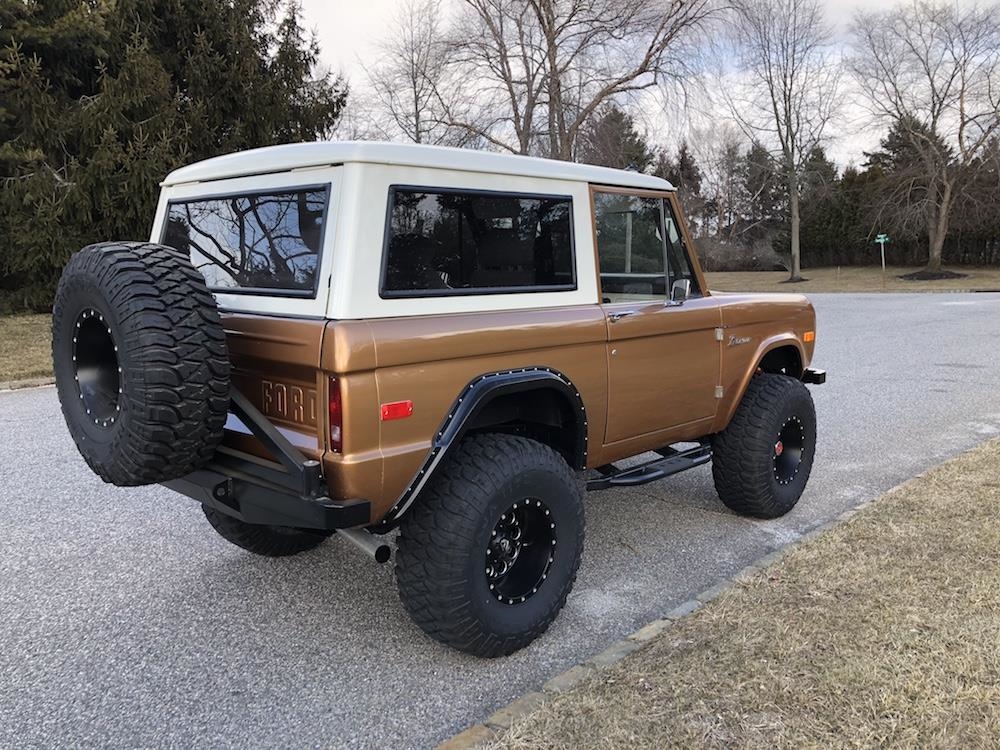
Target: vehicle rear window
column 454, row 242
column 265, row 243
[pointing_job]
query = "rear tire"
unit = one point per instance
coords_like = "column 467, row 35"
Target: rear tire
column 141, row 363
column 489, row 554
column 762, row 460
column 268, row 541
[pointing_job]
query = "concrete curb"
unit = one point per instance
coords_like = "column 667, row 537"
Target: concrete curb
column 479, row 735
column 17, row 385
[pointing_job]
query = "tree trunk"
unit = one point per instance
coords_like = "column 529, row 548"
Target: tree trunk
column 937, row 230
column 793, row 198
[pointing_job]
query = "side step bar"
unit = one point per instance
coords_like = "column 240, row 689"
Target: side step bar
column 672, row 462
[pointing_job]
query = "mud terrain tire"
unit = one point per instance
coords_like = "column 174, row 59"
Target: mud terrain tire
column 269, row 541
column 761, row 461
column 491, row 484
column 141, row 364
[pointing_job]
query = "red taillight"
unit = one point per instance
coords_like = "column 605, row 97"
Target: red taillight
column 336, row 417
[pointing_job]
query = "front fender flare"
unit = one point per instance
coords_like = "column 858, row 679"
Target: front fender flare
column 767, row 345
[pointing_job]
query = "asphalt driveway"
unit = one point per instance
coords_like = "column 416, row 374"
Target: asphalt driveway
column 125, row 621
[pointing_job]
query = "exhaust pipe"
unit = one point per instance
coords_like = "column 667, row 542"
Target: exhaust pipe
column 365, row 542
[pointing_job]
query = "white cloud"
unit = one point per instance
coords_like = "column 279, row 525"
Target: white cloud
column 348, row 30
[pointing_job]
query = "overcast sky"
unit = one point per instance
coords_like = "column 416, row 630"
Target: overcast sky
column 349, row 32
column 349, row 29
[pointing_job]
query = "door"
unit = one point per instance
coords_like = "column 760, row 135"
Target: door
column 663, row 358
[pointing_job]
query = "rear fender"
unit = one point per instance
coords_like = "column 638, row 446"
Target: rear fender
column 472, row 402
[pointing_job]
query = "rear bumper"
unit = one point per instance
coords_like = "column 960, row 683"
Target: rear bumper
column 814, row 376
column 236, row 487
column 289, row 493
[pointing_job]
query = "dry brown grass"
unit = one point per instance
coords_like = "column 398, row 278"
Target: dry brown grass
column 851, row 279
column 25, row 347
column 884, row 632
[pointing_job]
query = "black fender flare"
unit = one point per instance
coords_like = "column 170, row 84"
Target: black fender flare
column 474, row 398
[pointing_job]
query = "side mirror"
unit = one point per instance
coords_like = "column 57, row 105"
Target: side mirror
column 679, row 292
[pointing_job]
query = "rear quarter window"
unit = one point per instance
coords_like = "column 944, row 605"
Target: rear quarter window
column 442, row 242
column 263, row 242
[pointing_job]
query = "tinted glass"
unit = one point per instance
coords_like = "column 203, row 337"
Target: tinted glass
column 263, row 241
column 451, row 242
column 630, row 246
column 678, row 265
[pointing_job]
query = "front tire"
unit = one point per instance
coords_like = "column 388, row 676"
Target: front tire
column 762, row 460
column 267, row 541
column 487, row 557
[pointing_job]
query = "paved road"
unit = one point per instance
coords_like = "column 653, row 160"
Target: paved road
column 125, row 621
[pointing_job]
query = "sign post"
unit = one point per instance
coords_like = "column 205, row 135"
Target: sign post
column 881, row 240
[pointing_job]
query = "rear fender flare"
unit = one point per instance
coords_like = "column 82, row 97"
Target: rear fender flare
column 474, row 398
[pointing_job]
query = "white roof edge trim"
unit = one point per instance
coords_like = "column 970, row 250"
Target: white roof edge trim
column 294, row 156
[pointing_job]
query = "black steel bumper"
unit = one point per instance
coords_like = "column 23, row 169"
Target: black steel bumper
column 236, row 491
column 814, row 376
column 292, row 494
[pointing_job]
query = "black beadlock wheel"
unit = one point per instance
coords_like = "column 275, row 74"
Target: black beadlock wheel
column 269, row 541
column 488, row 555
column 141, row 364
column 762, row 460
column 520, row 551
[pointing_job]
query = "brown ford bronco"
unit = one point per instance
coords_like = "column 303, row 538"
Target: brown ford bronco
column 361, row 337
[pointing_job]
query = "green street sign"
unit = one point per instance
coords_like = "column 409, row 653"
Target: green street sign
column 882, row 238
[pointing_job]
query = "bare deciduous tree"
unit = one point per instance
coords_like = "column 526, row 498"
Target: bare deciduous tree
column 719, row 150
column 931, row 70
column 785, row 90
column 410, row 79
column 497, row 47
column 545, row 67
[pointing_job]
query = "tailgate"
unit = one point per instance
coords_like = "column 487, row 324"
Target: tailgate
column 276, row 365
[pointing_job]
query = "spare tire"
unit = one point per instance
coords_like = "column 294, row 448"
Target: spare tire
column 140, row 360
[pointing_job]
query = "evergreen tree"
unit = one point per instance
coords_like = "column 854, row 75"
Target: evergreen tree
column 821, row 232
column 611, row 139
column 908, row 199
column 100, row 99
column 684, row 174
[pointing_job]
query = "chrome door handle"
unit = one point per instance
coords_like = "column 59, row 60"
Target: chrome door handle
column 616, row 316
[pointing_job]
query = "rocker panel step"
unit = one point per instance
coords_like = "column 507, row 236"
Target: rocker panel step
column 672, row 462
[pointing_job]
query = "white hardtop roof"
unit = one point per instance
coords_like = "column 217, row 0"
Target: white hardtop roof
column 305, row 155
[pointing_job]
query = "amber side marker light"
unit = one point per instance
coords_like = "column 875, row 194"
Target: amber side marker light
column 809, row 336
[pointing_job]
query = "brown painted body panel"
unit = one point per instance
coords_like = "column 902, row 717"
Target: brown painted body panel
column 647, row 380
column 275, row 364
column 663, row 366
column 768, row 322
column 430, row 360
column 657, row 375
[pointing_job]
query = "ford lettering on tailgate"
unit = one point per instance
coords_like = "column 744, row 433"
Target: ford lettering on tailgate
column 289, row 403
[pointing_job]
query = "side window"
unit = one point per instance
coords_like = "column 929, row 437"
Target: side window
column 630, row 247
column 639, row 246
column 450, row 242
column 678, row 261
